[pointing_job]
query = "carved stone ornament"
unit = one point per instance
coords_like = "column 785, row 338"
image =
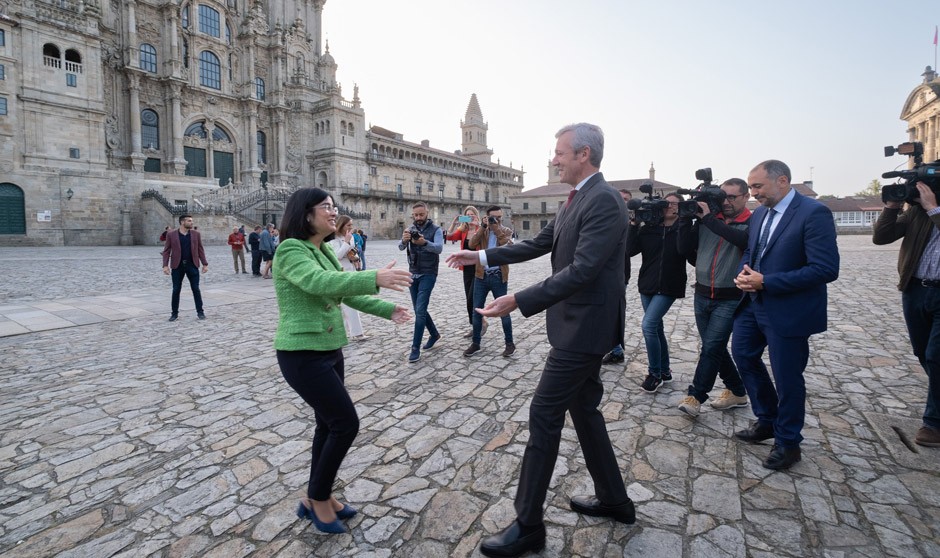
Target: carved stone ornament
column 112, row 132
column 212, row 107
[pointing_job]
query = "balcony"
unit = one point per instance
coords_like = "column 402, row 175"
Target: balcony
column 470, row 177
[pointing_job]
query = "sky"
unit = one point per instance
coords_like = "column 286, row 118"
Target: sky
column 680, row 84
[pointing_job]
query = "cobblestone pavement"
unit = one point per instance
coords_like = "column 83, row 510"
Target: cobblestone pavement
column 130, row 436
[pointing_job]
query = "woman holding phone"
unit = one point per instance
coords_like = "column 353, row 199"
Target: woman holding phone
column 462, row 228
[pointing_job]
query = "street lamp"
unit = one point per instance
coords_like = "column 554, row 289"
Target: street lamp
column 68, row 194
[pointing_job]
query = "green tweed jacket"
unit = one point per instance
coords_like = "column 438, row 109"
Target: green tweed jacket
column 310, row 285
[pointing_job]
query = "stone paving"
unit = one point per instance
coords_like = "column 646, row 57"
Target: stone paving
column 124, row 435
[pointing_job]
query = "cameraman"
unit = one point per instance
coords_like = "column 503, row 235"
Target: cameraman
column 716, row 242
column 492, row 279
column 423, row 258
column 919, row 268
column 662, row 279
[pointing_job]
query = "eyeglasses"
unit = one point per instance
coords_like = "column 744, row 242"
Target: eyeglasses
column 328, row 207
column 673, row 204
column 732, row 197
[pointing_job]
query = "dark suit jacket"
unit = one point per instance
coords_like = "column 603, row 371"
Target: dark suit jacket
column 584, row 296
column 171, row 248
column 800, row 258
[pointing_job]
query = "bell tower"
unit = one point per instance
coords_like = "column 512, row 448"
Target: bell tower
column 473, row 129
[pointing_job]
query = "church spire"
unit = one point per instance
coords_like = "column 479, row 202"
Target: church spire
column 473, row 133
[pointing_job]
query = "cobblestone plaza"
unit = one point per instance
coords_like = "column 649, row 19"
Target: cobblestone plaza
column 124, row 435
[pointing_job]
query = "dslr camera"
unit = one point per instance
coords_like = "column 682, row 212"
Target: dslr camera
column 415, row 233
column 490, row 220
column 706, row 192
column 648, row 210
column 906, row 191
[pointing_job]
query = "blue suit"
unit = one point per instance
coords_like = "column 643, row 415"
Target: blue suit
column 801, row 256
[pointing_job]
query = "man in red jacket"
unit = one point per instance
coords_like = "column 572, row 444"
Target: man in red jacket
column 237, row 241
column 181, row 254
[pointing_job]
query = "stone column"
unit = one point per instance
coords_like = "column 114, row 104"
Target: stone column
column 176, row 137
column 317, row 26
column 129, row 56
column 133, row 87
column 252, row 140
column 281, row 133
column 171, row 57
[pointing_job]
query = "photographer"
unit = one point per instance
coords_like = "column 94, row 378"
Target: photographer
column 919, row 268
column 491, row 279
column 461, row 230
column 661, row 281
column 423, row 258
column 716, row 243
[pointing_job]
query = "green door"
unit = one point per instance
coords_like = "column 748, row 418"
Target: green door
column 12, row 209
column 224, row 166
column 195, row 161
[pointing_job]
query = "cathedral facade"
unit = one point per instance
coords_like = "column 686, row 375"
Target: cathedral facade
column 118, row 116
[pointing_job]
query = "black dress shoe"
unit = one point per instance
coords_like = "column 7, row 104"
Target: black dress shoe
column 755, row 433
column 514, row 540
column 590, row 505
column 782, row 458
column 173, row 317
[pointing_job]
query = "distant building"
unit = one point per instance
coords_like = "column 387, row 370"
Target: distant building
column 921, row 111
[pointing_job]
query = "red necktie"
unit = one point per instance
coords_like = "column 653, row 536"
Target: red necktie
column 570, row 197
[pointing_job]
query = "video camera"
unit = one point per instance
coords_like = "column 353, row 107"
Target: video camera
column 706, row 192
column 906, row 191
column 650, row 209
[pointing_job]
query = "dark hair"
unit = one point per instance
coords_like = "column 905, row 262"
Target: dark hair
column 183, row 218
column 775, row 169
column 493, row 208
column 676, row 195
column 294, row 223
column 742, row 185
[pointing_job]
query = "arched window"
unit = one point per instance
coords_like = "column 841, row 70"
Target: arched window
column 51, row 56
column 196, row 130
column 228, row 34
column 185, row 53
column 351, row 132
column 149, row 129
column 148, row 58
column 262, row 147
column 208, row 20
column 342, row 127
column 210, row 71
column 259, row 89
column 72, row 55
column 184, row 16
column 12, row 209
column 220, row 134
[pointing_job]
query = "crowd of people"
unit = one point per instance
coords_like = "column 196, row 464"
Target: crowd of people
column 760, row 284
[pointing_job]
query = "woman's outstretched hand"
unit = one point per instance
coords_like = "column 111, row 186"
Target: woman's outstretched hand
column 400, row 315
column 395, row 279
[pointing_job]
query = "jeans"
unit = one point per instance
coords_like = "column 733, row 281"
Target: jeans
column 317, row 376
column 362, row 260
column 491, row 283
column 469, row 276
column 421, row 288
column 192, row 273
column 657, row 350
column 922, row 314
column 236, row 256
column 714, row 319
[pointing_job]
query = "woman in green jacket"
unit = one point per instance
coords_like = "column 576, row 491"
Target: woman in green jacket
column 310, row 286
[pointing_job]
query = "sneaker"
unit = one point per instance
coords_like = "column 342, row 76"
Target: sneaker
column 431, row 342
column 612, row 358
column 928, row 437
column 651, row 383
column 173, row 317
column 200, row 315
column 414, row 356
column 667, row 376
column 690, row 406
column 510, row 349
column 471, row 350
column 728, row 400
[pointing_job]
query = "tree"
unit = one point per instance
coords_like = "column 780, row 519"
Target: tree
column 873, row 189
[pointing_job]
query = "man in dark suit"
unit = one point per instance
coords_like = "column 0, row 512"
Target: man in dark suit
column 790, row 256
column 182, row 253
column 584, row 304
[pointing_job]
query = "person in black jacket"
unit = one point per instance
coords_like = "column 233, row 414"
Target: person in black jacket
column 616, row 356
column 662, row 279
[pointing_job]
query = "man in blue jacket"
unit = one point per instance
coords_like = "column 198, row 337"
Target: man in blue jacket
column 424, row 242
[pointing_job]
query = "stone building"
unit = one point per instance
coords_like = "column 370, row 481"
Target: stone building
column 921, row 111
column 117, row 116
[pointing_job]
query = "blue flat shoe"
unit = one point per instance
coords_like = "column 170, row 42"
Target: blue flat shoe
column 347, row 512
column 333, row 527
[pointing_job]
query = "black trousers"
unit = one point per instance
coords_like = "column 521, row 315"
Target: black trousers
column 255, row 261
column 570, row 382
column 469, row 271
column 317, row 376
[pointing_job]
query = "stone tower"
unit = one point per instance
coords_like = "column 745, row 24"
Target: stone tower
column 473, row 130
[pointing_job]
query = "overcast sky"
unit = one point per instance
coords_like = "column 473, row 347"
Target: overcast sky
column 682, row 84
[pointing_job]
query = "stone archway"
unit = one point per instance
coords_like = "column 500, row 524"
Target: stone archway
column 12, row 209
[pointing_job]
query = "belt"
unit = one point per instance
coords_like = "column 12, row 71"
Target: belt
column 498, row 270
column 931, row 283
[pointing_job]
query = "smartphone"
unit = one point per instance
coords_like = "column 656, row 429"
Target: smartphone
column 464, row 218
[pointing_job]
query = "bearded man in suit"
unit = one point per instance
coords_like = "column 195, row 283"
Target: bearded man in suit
column 791, row 255
column 584, row 304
